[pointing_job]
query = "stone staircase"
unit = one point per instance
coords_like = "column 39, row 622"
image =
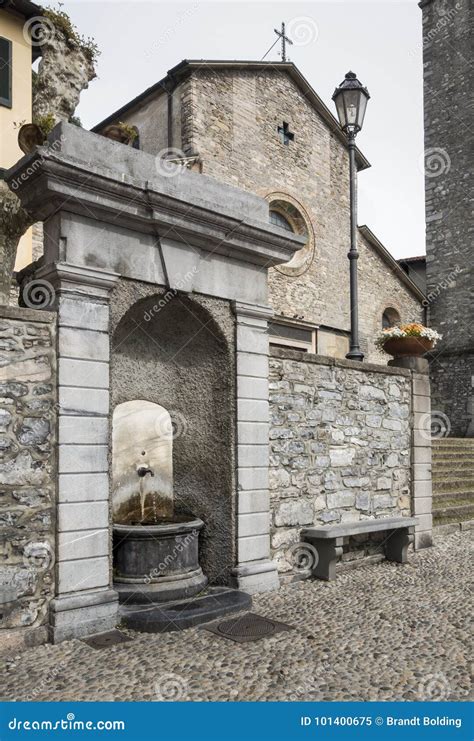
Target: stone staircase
column 453, row 480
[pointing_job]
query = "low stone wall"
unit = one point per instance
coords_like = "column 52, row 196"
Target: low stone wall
column 340, row 440
column 27, row 471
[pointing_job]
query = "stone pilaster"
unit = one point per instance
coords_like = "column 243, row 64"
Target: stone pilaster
column 421, row 487
column 421, row 460
column 84, row 602
column 255, row 572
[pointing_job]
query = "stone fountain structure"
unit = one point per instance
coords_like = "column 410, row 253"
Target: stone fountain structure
column 156, row 547
column 158, row 283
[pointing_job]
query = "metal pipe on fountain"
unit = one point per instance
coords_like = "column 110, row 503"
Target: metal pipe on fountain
column 143, row 470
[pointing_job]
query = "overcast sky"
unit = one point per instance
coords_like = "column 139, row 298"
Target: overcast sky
column 381, row 41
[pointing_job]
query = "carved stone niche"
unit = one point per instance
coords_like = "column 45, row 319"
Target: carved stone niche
column 142, row 464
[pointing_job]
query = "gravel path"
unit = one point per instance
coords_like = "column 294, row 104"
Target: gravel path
column 381, row 632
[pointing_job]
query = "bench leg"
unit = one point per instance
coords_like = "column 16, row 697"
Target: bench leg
column 396, row 544
column 329, row 550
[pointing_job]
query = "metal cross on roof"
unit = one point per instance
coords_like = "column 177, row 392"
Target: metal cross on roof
column 284, row 39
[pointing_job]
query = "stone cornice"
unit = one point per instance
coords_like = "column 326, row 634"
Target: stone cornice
column 187, row 207
column 252, row 311
column 287, row 354
column 77, row 278
column 23, row 314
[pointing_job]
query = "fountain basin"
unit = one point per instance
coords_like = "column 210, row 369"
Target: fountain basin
column 157, row 562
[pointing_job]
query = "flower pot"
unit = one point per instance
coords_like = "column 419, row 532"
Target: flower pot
column 116, row 133
column 402, row 347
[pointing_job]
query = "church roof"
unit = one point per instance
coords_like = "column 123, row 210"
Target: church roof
column 392, row 263
column 187, row 66
column 418, row 258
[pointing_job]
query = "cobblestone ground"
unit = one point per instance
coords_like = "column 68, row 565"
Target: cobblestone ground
column 382, row 632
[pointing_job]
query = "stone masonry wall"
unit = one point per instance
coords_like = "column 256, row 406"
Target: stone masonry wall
column 447, row 31
column 339, row 444
column 27, row 469
column 379, row 289
column 452, row 400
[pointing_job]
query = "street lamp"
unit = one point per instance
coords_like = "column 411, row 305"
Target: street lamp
column 351, row 101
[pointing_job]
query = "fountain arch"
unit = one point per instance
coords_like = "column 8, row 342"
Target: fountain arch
column 176, row 352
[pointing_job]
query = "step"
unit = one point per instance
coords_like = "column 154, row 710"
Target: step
column 458, row 465
column 463, row 512
column 168, row 616
column 450, row 501
column 449, row 520
column 463, row 464
column 466, row 440
column 439, row 452
column 454, row 484
column 456, row 477
column 446, row 528
column 453, row 452
column 438, row 497
column 449, row 455
column 463, row 471
column 452, row 443
column 457, row 483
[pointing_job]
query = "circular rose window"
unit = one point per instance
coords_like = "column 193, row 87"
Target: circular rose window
column 288, row 214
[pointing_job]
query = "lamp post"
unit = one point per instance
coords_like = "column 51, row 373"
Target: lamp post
column 351, row 101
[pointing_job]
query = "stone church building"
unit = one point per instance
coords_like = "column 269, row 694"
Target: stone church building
column 260, row 126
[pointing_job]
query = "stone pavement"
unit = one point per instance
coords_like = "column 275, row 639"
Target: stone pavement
column 381, row 632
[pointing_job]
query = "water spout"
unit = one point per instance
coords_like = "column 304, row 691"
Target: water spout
column 142, row 472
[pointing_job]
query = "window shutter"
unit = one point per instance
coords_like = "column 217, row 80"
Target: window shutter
column 5, row 72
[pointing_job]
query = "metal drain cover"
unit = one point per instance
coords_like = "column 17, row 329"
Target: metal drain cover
column 248, row 627
column 105, row 640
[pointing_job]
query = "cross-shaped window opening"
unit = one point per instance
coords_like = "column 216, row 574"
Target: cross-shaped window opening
column 286, row 136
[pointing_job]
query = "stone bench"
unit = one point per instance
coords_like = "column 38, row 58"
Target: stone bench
column 328, row 541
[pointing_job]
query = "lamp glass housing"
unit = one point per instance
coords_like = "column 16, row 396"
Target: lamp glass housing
column 351, row 102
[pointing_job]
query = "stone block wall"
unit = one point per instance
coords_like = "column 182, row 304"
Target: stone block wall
column 340, row 442
column 452, row 401
column 447, row 31
column 27, row 470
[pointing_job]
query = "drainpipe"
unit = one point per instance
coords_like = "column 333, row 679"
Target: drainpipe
column 170, row 88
